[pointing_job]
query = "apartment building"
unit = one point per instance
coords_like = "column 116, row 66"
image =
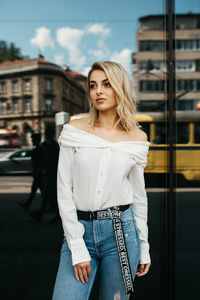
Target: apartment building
column 150, row 70
column 32, row 91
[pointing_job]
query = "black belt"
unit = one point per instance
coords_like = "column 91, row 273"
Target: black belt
column 115, row 213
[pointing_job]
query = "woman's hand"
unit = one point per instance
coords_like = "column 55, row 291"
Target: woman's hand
column 142, row 269
column 82, row 271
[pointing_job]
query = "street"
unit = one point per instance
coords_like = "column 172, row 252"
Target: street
column 30, row 250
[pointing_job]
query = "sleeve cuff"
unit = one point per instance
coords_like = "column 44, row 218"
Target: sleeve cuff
column 145, row 256
column 79, row 252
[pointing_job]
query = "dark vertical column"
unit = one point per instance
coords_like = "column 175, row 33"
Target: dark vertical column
column 170, row 201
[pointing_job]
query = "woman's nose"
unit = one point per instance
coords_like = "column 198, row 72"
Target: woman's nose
column 99, row 89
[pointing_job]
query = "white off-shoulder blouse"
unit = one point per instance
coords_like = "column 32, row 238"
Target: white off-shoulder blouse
column 95, row 174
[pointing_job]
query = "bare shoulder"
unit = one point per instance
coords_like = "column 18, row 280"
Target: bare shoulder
column 139, row 135
column 79, row 123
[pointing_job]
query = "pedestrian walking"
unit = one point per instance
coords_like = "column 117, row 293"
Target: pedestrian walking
column 101, row 192
column 37, row 157
column 49, row 170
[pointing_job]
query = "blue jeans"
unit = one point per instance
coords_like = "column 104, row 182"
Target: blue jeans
column 100, row 241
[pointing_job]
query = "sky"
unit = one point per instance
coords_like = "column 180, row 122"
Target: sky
column 77, row 33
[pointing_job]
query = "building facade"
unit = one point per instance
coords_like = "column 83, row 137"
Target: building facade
column 32, row 91
column 150, row 72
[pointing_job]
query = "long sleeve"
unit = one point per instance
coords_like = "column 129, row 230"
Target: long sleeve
column 140, row 207
column 73, row 229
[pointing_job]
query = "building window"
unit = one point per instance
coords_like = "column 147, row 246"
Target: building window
column 15, row 106
column 151, row 105
column 3, row 107
column 27, row 85
column 156, row 46
column 15, row 86
column 198, row 85
column 185, row 65
column 48, row 84
column 198, row 44
column 151, row 86
column 185, row 104
column 27, row 106
column 185, row 85
column 3, row 87
column 48, row 105
column 187, row 45
column 152, row 66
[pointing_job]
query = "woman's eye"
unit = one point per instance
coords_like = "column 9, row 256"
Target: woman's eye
column 92, row 86
column 107, row 84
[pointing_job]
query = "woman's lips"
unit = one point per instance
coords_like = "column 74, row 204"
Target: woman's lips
column 100, row 100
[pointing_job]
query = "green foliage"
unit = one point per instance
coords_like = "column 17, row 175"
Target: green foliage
column 9, row 52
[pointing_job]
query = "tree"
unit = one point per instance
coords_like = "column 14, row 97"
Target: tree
column 9, row 52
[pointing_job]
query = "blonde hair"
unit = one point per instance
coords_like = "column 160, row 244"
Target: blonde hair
column 118, row 78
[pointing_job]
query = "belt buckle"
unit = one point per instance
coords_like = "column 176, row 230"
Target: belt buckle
column 91, row 217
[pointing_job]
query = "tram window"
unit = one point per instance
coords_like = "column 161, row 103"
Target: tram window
column 160, row 133
column 197, row 132
column 182, row 130
column 146, row 128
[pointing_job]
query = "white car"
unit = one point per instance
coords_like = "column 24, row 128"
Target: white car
column 18, row 162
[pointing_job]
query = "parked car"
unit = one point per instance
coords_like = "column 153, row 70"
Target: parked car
column 17, row 162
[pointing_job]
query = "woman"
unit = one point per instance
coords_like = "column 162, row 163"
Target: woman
column 101, row 193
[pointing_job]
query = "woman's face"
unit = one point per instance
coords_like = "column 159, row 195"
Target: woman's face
column 102, row 94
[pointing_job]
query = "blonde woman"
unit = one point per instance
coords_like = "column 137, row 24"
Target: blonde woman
column 101, row 192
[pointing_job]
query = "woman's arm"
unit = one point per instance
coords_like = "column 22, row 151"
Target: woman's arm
column 140, row 206
column 73, row 229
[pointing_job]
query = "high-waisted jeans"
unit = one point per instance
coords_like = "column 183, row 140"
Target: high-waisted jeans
column 100, row 241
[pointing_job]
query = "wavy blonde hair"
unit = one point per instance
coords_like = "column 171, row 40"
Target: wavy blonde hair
column 126, row 108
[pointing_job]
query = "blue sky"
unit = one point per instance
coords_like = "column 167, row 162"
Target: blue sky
column 77, row 33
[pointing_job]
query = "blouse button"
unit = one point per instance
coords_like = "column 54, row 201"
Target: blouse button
column 98, row 192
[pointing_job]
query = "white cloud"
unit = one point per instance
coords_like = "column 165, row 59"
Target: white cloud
column 42, row 39
column 70, row 39
column 59, row 59
column 123, row 57
column 86, row 71
column 98, row 29
column 98, row 53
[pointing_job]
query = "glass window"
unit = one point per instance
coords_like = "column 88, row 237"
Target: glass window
column 27, row 85
column 198, row 85
column 186, row 85
column 182, row 133
column 2, row 87
column 15, row 86
column 197, row 133
column 48, row 105
column 156, row 46
column 160, row 133
column 151, row 85
column 185, row 65
column 21, row 154
column 186, row 45
column 27, row 108
column 3, row 107
column 198, row 44
column 48, row 84
column 185, row 104
column 15, row 106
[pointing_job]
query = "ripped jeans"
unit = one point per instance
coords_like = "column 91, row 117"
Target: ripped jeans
column 100, row 241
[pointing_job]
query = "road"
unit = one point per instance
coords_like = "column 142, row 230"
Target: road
column 30, row 250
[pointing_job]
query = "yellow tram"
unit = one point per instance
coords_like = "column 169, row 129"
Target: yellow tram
column 186, row 143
